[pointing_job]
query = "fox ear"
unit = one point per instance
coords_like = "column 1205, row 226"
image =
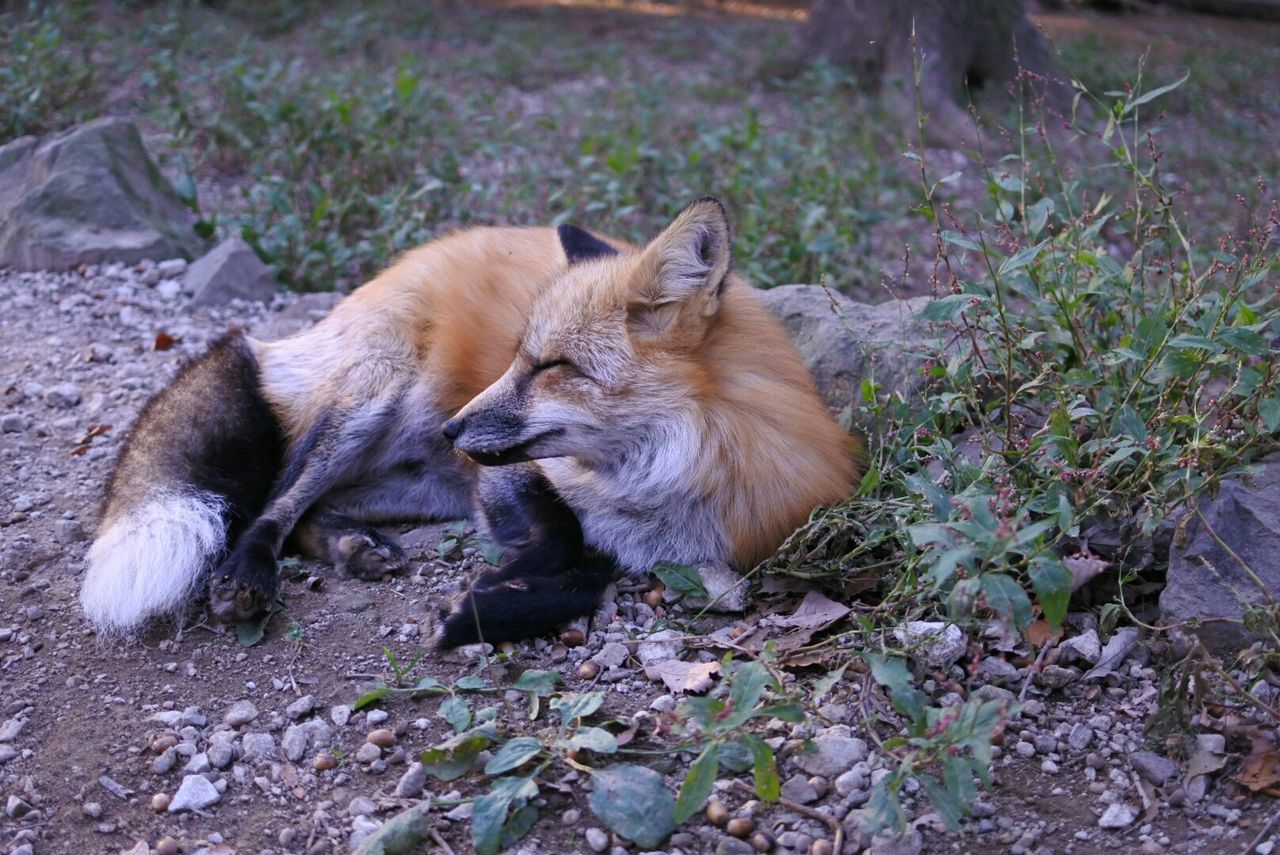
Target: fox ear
column 581, row 245
column 688, row 266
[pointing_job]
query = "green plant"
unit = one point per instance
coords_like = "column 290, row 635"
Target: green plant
column 46, row 79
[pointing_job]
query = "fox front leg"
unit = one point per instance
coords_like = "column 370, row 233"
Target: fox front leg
column 548, row 578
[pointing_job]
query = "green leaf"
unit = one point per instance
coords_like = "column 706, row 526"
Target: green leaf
column 764, row 767
column 824, row 685
column 935, row 495
column 1018, row 260
column 950, row 811
column 490, row 815
column 250, row 632
column 947, row 308
column 455, row 710
column 454, row 758
column 744, row 693
column 522, row 819
column 1052, row 581
column 1038, row 215
column 574, row 706
column 634, row 802
column 961, row 240
column 893, row 674
column 595, row 739
column 518, row 751
column 403, row 834
column 1269, row 412
column 471, row 683
column 1149, row 335
column 537, row 682
column 681, row 578
column 1006, row 598
column 697, row 785
column 369, row 697
column 1153, row 94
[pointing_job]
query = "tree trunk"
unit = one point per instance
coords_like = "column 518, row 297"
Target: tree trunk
column 961, row 46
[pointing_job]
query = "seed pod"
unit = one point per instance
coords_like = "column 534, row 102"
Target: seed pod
column 589, row 670
column 717, row 813
column 741, row 827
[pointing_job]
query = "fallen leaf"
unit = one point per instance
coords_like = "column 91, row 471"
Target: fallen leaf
column 1260, row 772
column 164, row 341
column 1114, row 653
column 814, row 612
column 1041, row 632
column 680, row 676
column 1083, row 568
column 1204, row 762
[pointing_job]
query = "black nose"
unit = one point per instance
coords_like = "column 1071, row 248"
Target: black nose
column 452, row 428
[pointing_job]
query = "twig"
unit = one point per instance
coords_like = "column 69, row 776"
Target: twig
column 439, row 841
column 1263, row 834
column 1035, row 668
column 831, row 822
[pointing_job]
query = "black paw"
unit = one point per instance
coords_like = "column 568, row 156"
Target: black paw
column 368, row 554
column 243, row 586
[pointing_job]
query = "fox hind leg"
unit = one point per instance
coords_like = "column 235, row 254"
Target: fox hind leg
column 355, row 548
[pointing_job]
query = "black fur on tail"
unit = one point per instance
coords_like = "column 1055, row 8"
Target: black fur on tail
column 549, row 579
column 209, row 430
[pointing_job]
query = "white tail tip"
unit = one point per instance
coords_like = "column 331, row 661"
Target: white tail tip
column 148, row 561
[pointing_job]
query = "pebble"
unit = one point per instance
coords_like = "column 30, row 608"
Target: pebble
column 612, row 655
column 171, row 268
column 11, row 729
column 16, row 808
column 324, row 762
column 798, row 789
column 368, row 752
column 64, row 396
column 160, row 802
column 258, row 748
column 1117, row 815
column 241, row 712
column 1152, row 767
column 376, row 716
column 340, row 715
column 733, row 846
column 597, row 839
column 382, row 738
column 1080, row 737
column 301, row 707
column 412, row 781
column 934, row 643
column 67, row 532
column 167, row 846
column 195, row 793
column 834, row 752
column 660, row 646
column 360, row 806
column 93, row 810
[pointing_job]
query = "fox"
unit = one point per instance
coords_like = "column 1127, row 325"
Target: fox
column 595, row 406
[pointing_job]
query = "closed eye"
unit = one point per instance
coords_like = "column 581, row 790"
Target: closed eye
column 549, row 364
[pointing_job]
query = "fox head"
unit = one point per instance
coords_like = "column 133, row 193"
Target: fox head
column 610, row 354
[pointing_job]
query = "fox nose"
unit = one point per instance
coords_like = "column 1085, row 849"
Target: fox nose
column 452, row 428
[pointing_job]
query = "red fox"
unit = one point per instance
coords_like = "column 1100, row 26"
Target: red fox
column 603, row 406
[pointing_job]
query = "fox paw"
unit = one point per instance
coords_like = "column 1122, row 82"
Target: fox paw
column 368, row 555
column 242, row 588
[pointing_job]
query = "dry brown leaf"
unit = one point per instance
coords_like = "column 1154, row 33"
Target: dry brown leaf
column 164, row 341
column 1260, row 772
column 814, row 612
column 1083, row 568
column 1041, row 633
column 681, row 676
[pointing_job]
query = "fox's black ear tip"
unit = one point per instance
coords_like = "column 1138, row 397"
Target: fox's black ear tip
column 581, row 245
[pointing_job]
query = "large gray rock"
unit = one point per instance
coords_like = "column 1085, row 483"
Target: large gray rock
column 86, row 195
column 844, row 342
column 1208, row 583
column 230, row 270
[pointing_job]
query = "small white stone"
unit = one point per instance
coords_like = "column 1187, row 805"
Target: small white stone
column 1118, row 815
column 195, row 793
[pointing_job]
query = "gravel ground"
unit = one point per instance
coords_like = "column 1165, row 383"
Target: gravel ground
column 188, row 741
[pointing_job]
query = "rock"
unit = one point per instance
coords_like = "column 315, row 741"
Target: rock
column 834, row 753
column 1080, row 737
column 171, row 268
column 840, row 340
column 1245, row 515
column 15, row 808
column 1153, row 767
column 1055, row 676
column 998, row 670
column 313, row 735
column 360, row 806
column 198, row 764
column 241, row 712
column 611, row 655
column 660, row 646
column 11, row 729
column 732, row 846
column 368, row 753
column 340, row 714
column 361, row 828
column 304, row 312
column 230, row 270
column 301, row 707
column 7, row 753
column 1085, row 646
column 195, row 793
column 258, row 748
column 1117, row 815
column 221, row 751
column 934, row 643
column 412, row 781
column 597, row 839
column 798, row 789
column 728, row 592
column 87, row 195
column 63, row 396
column 67, row 532
column 13, row 423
